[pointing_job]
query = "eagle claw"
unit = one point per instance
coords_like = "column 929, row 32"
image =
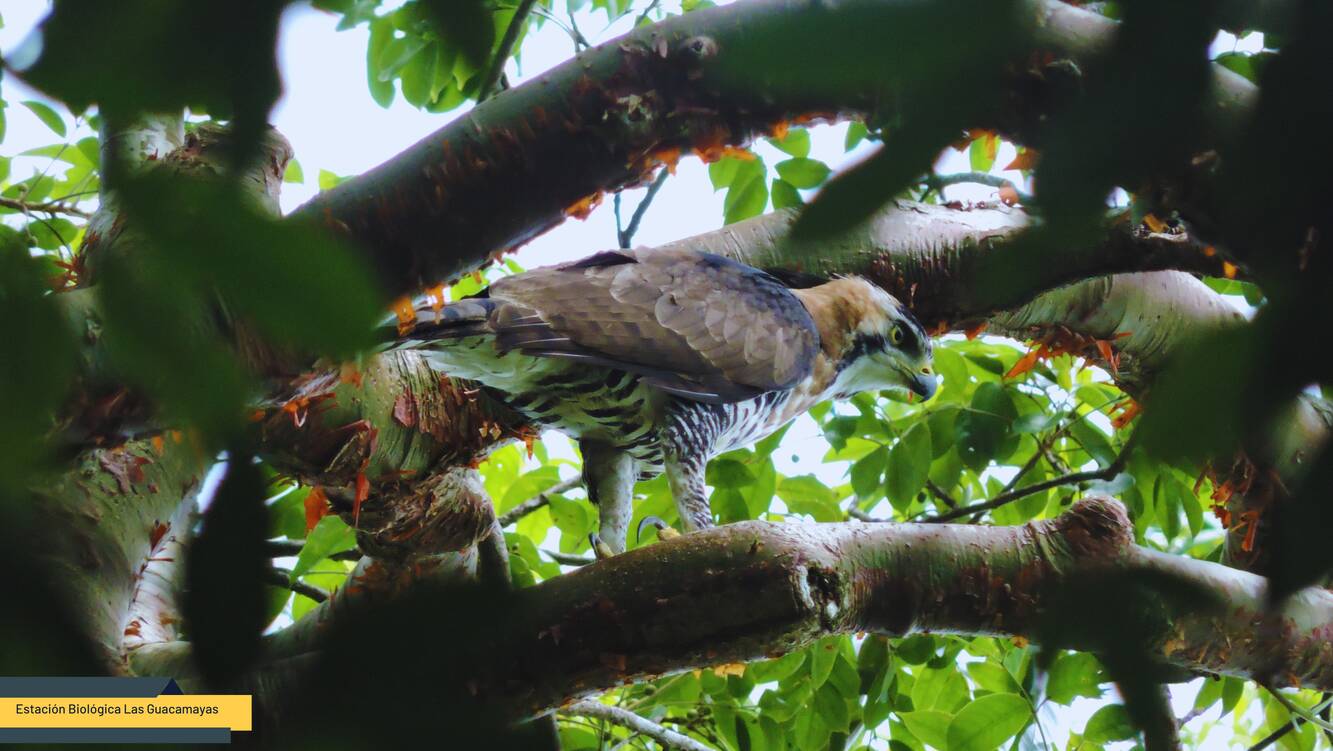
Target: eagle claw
column 600, row 550
column 664, row 531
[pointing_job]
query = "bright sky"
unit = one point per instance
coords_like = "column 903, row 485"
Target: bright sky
column 327, row 113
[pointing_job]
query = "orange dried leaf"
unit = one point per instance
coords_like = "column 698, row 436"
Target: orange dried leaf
column 435, row 295
column 583, row 207
column 1108, row 354
column 316, row 507
column 348, row 373
column 407, row 315
column 1025, row 363
column 1154, row 224
column 1209, row 251
column 975, row 331
column 1250, row 519
column 1009, row 195
column 730, row 668
column 1229, row 269
column 1127, row 415
column 362, row 493
column 1025, row 159
column 669, row 158
column 158, row 444
column 780, row 129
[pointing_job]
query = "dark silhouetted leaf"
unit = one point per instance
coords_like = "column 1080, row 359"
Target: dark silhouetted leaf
column 225, row 602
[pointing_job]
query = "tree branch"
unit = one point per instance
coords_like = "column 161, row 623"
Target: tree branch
column 625, row 718
column 45, row 208
column 541, row 499
column 281, row 578
column 1105, row 473
column 755, row 589
column 937, row 183
column 505, row 49
column 626, row 237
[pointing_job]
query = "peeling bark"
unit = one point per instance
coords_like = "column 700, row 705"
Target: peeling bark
column 119, row 513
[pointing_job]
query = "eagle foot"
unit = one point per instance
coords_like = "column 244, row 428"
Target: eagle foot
column 664, row 531
column 600, row 550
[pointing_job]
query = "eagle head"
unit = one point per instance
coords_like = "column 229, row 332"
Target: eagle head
column 872, row 340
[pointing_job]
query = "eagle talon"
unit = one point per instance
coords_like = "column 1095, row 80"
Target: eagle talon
column 664, row 531
column 600, row 550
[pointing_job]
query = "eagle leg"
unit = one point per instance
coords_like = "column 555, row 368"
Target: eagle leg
column 609, row 474
column 685, row 474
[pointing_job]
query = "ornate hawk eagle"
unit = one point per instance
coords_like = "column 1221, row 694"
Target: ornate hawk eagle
column 661, row 359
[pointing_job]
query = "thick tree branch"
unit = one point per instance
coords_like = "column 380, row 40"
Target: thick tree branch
column 625, row 718
column 754, row 589
column 606, row 119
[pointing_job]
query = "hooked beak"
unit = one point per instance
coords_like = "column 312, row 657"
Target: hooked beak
column 924, row 383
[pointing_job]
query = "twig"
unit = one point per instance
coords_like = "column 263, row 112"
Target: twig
column 941, row 493
column 45, row 208
column 626, row 236
column 506, row 48
column 644, row 15
column 281, row 578
column 285, row 548
column 580, row 42
column 1105, row 473
column 627, row 719
column 1296, row 721
column 857, row 513
column 567, row 558
column 937, row 183
column 532, row 504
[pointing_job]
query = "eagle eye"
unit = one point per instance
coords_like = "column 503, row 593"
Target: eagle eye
column 896, row 335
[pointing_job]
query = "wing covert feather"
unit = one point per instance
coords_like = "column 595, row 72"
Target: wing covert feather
column 695, row 324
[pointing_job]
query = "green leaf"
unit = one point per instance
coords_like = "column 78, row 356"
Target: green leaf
column 982, row 429
column 1110, row 723
column 823, row 654
column 931, row 726
column 294, row 174
column 298, row 283
column 987, row 722
column 802, row 172
column 981, row 154
column 775, row 670
column 992, row 677
column 909, row 466
column 748, row 193
column 867, row 471
column 728, row 473
column 832, row 707
column 49, row 117
column 856, row 133
column 382, row 90
column 37, row 360
column 785, row 195
column 329, row 536
column 796, row 143
column 1073, row 675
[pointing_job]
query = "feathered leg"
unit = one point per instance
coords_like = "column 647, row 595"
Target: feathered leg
column 609, row 474
column 685, row 474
